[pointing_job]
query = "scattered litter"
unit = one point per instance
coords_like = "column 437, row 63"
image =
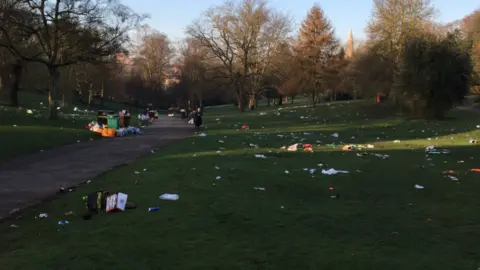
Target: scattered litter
column 169, row 197
column 332, row 171
column 69, row 213
column 260, row 156
column 473, row 141
column 152, row 209
column 116, row 202
column 349, row 147
column 43, row 215
column 320, row 165
column 259, row 188
column 382, row 156
column 218, row 177
column 245, row 127
column 287, row 172
column 14, row 226
column 220, row 141
column 312, row 171
column 88, row 182
column 63, row 222
column 396, row 141
column 335, row 135
column 433, row 150
column 419, row 187
column 203, row 135
column 451, row 177
column 263, row 113
column 293, row 147
column 475, row 170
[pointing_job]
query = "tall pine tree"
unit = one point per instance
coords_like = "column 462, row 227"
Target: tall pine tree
column 316, row 47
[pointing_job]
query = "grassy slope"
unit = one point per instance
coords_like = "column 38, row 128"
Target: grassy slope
column 22, row 133
column 380, row 220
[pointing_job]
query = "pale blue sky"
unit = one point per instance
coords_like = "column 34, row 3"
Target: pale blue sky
column 172, row 16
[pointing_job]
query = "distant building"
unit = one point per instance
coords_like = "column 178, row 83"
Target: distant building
column 350, row 47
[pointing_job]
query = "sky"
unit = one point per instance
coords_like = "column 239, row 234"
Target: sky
column 173, row 16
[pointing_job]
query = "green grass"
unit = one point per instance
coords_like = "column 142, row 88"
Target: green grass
column 24, row 133
column 380, row 220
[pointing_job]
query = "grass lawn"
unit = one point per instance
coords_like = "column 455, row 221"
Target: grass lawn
column 23, row 133
column 380, row 221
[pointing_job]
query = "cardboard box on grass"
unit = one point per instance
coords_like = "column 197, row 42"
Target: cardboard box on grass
column 116, row 202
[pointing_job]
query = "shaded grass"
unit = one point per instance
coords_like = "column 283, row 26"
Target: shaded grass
column 379, row 221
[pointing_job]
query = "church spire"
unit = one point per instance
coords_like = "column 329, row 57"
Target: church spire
column 350, row 48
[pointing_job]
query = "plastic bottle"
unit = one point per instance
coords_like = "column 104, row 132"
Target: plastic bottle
column 151, row 209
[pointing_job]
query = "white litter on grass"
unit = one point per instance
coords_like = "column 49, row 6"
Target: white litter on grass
column 312, row 171
column 418, row 187
column 203, row 135
column 451, row 177
column 218, row 178
column 293, row 147
column 335, row 135
column 396, row 141
column 169, row 197
column 332, row 171
column 259, row 188
column 260, row 156
column 43, row 215
column 29, row 111
column 287, row 172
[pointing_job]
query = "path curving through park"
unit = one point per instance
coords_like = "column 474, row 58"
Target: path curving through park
column 28, row 180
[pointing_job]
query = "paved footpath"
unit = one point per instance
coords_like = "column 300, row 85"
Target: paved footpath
column 27, row 180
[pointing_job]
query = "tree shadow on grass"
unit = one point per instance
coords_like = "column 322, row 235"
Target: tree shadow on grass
column 377, row 205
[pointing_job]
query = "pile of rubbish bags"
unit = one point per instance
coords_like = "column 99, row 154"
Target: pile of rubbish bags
column 111, row 132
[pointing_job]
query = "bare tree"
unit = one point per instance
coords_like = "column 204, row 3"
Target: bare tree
column 153, row 55
column 234, row 33
column 65, row 32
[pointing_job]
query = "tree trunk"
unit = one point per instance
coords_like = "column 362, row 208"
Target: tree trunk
column 241, row 104
column 102, row 93
column 280, row 101
column 52, row 92
column 251, row 104
column 313, row 96
column 15, row 87
column 268, row 101
column 90, row 94
column 292, row 99
column 241, row 100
